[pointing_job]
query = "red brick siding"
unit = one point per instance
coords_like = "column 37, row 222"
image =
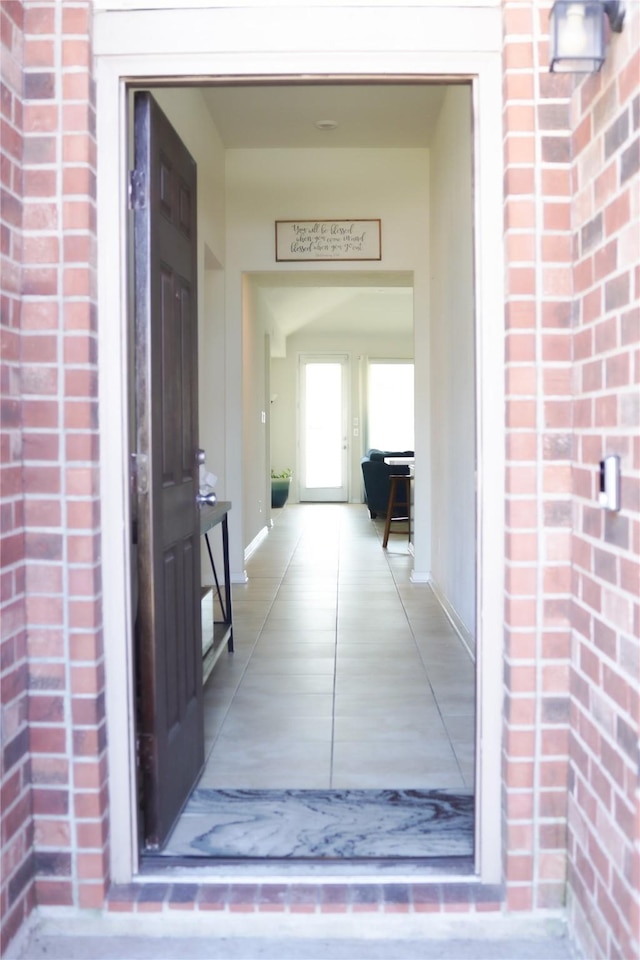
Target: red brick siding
column 68, row 714
column 57, row 493
column 310, row 898
column 604, row 813
column 16, row 824
column 572, row 203
column 538, row 255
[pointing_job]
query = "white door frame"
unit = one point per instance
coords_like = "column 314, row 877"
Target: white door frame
column 206, row 43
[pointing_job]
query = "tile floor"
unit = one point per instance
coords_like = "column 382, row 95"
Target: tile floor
column 345, row 674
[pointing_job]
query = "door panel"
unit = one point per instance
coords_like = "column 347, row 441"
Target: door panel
column 170, row 714
column 323, row 428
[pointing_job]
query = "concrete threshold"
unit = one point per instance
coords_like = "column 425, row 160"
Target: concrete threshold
column 228, row 936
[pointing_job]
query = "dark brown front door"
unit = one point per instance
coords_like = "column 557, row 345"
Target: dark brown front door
column 170, row 708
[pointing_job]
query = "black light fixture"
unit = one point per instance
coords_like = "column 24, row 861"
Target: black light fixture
column 578, row 33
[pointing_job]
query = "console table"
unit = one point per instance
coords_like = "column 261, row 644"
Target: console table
column 212, row 515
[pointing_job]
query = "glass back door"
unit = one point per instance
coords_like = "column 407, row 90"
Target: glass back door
column 323, row 428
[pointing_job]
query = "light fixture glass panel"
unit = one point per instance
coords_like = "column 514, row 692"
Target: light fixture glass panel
column 577, row 36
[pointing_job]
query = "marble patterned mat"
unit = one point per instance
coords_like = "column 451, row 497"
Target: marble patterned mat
column 325, row 824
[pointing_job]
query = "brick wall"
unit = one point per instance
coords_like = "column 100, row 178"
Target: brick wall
column 572, row 667
column 604, row 812
column 16, row 826
column 538, row 251
column 571, row 663
column 56, row 507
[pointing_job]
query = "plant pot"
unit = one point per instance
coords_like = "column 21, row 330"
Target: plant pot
column 280, row 492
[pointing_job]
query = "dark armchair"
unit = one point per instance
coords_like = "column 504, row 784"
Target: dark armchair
column 375, row 474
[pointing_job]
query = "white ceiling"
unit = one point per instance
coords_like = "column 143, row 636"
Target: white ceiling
column 369, row 116
column 328, row 303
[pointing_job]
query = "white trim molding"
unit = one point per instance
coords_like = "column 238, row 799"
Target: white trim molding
column 373, row 42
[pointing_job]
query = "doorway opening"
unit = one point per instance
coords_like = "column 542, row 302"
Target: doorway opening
column 450, row 380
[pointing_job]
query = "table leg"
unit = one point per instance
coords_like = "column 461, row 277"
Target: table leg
column 227, row 579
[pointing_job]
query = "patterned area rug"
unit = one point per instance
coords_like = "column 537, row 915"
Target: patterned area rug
column 325, row 824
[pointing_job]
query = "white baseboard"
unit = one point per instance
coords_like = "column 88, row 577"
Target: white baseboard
column 465, row 635
column 255, row 543
column 420, row 576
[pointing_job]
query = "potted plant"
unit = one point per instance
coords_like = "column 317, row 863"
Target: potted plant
column 280, row 483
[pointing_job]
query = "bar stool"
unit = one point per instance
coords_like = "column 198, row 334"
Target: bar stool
column 396, row 481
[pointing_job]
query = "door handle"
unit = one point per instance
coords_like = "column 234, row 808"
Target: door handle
column 205, row 499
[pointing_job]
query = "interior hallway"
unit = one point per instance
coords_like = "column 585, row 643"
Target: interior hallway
column 345, row 674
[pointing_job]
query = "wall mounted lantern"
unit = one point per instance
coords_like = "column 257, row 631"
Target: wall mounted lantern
column 578, row 33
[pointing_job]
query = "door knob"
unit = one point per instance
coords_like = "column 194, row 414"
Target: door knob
column 205, row 499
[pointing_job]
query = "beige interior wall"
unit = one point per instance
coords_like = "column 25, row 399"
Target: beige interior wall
column 256, row 486
column 453, row 451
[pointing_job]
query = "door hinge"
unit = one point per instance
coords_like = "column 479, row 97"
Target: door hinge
column 139, row 474
column 137, row 192
column 144, row 751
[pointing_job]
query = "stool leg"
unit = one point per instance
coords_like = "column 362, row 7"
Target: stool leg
column 390, row 505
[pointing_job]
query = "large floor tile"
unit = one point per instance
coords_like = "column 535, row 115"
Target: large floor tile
column 308, row 594
column 263, row 704
column 276, row 648
column 312, row 666
column 281, row 763
column 376, row 649
column 279, row 684
column 256, row 588
column 461, row 730
column 238, row 727
column 394, row 668
column 345, row 674
column 401, row 728
column 371, row 684
column 374, row 764
column 455, row 704
column 295, row 629
column 312, row 620
column 283, row 609
column 376, row 706
column 374, row 628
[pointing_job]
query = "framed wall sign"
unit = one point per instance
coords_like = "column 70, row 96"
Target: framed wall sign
column 328, row 240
